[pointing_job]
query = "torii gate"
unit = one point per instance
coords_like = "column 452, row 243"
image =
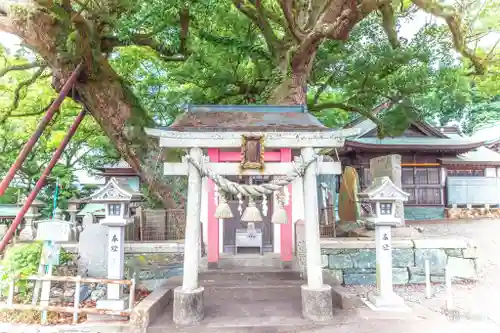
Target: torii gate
column 188, row 299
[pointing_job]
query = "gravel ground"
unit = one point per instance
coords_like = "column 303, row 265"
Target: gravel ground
column 473, row 301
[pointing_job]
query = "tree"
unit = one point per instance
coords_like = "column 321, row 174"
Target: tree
column 281, row 45
column 22, row 104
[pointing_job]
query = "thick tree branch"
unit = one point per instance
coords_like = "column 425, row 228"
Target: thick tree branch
column 256, row 15
column 350, row 108
column 22, row 67
column 454, row 23
column 17, row 92
column 287, row 8
column 389, row 24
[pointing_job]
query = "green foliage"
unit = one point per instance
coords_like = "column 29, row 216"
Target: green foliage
column 23, row 260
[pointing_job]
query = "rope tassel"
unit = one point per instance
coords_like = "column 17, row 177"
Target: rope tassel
column 223, row 210
column 280, row 216
column 251, row 213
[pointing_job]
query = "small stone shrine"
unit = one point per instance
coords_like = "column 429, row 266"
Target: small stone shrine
column 243, row 162
column 56, row 229
column 383, row 195
column 117, row 197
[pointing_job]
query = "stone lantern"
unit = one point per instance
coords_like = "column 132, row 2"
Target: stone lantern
column 72, row 210
column 28, row 232
column 382, row 195
column 117, row 198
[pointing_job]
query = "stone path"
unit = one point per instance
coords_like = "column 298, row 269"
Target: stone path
column 475, row 303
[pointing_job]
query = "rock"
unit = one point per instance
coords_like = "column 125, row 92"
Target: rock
column 97, row 294
column 84, row 292
column 69, row 293
column 57, row 292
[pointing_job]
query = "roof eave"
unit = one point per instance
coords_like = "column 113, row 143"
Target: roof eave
column 413, row 147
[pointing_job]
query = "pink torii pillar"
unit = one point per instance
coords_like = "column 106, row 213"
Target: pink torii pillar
column 286, row 234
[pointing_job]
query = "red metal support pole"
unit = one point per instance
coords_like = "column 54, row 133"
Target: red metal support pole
column 40, row 183
column 34, row 138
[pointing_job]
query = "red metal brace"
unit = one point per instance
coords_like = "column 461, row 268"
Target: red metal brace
column 45, row 120
column 40, row 183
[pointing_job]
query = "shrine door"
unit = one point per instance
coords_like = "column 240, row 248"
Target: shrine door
column 230, row 225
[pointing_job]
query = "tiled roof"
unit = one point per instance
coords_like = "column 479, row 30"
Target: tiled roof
column 93, row 208
column 9, row 210
column 481, row 155
column 420, row 143
column 247, row 118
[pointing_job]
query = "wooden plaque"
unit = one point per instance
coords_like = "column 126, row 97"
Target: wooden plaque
column 252, row 152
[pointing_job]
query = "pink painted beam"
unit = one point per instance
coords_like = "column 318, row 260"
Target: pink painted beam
column 286, row 231
column 213, row 223
column 235, row 156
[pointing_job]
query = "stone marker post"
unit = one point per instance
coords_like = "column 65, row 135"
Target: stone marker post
column 383, row 195
column 116, row 255
column 117, row 198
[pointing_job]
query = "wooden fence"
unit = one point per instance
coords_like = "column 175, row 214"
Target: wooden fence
column 76, row 309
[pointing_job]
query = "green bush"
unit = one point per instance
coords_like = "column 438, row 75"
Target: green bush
column 23, row 260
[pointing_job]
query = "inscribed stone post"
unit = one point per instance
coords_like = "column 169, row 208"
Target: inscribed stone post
column 92, row 248
column 389, row 166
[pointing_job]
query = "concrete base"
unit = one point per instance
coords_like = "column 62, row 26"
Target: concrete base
column 317, row 304
column 112, row 304
column 188, row 306
column 389, row 301
column 91, row 317
column 212, row 265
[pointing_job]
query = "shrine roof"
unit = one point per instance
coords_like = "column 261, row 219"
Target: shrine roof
column 261, row 118
column 96, row 209
column 430, row 144
column 7, row 211
column 481, row 155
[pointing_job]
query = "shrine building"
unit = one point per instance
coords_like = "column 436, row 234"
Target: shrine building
column 252, row 174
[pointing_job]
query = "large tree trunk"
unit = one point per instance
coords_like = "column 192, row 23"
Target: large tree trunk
column 103, row 94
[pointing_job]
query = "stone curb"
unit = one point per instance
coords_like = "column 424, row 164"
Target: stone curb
column 80, row 328
column 152, row 306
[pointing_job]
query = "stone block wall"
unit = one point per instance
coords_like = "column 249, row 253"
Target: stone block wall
column 470, row 213
column 352, row 261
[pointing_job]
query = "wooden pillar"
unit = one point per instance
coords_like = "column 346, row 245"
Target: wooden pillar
column 213, row 223
column 286, row 230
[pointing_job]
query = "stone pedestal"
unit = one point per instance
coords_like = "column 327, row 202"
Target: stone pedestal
column 317, row 304
column 188, row 306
